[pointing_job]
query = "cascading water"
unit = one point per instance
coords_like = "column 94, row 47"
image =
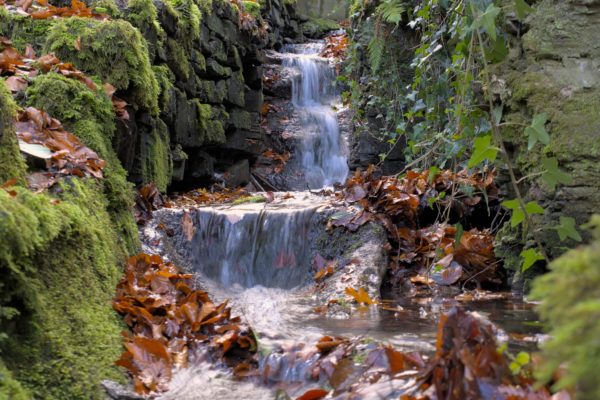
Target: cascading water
column 251, row 246
column 323, row 152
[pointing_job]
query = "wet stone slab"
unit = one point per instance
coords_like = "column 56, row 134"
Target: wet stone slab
column 270, row 244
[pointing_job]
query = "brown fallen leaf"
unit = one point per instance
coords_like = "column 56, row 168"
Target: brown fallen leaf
column 361, row 296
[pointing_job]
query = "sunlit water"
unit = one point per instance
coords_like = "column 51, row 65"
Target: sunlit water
column 323, row 152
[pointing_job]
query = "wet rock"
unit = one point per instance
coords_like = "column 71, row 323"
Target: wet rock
column 238, row 175
column 116, row 391
column 362, row 261
column 200, row 165
column 240, row 119
column 250, row 142
column 214, row 70
column 236, row 90
column 254, row 100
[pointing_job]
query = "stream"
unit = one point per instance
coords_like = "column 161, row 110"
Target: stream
column 260, row 258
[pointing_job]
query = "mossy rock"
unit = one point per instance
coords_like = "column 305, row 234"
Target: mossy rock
column 319, row 27
column 252, row 8
column 157, row 165
column 23, row 30
column 89, row 116
column 112, row 50
column 10, row 388
column 12, row 164
column 143, row 15
column 60, row 262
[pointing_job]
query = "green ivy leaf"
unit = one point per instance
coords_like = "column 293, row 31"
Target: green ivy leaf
column 530, row 257
column 554, row 175
column 483, row 150
column 523, row 358
column 522, row 8
column 497, row 52
column 568, row 229
column 518, row 215
column 537, row 131
column 534, row 208
column 488, row 20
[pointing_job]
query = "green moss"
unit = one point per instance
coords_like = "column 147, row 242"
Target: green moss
column 165, row 79
column 61, row 262
column 252, row 8
column 318, row 27
column 178, row 59
column 106, row 7
column 112, row 50
column 23, row 30
column 12, row 164
column 11, row 389
column 90, row 116
column 189, row 21
column 143, row 15
column 212, row 129
column 157, row 165
column 250, row 199
column 570, row 296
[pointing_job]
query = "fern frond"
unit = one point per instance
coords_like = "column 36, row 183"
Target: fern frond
column 375, row 47
column 391, row 11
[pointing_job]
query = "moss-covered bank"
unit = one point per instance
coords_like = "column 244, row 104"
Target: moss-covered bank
column 61, row 254
column 60, row 261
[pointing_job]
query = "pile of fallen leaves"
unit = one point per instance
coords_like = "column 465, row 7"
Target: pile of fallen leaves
column 205, row 197
column 45, row 137
column 435, row 252
column 335, row 46
column 467, row 365
column 41, row 9
column 19, row 69
column 170, row 321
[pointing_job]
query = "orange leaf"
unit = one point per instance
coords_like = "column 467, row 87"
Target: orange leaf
column 360, row 296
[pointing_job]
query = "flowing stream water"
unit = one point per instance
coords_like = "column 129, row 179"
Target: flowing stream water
column 261, row 261
column 323, row 153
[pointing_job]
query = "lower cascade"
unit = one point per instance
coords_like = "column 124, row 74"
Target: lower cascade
column 249, row 246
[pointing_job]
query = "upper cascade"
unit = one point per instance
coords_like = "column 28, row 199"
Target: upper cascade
column 323, row 152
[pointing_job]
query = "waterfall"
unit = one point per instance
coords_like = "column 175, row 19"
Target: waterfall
column 313, row 94
column 250, row 247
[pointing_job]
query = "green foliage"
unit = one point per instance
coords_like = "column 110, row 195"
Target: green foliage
column 522, row 8
column 376, row 47
column 530, row 257
column 391, row 11
column 537, row 132
column 11, row 389
column 519, row 212
column 569, row 296
column 567, row 229
column 554, row 175
column 483, row 149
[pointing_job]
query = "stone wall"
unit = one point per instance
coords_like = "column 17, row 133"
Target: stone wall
column 553, row 68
